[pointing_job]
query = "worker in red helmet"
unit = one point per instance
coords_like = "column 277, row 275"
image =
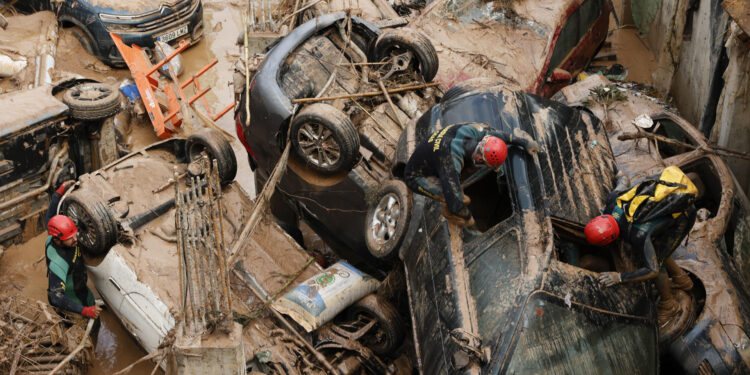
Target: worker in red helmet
column 654, row 216
column 67, row 290
column 434, row 169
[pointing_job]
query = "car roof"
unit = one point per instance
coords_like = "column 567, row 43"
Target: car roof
column 25, row 108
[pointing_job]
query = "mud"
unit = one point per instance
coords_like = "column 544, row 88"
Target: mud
column 223, row 20
column 473, row 42
column 135, row 6
column 25, row 38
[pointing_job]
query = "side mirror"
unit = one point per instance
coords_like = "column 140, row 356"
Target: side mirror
column 559, row 76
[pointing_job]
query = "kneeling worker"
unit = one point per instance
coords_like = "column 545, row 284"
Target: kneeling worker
column 66, row 271
column 447, row 152
column 654, row 217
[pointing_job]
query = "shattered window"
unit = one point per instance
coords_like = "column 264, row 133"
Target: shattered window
column 494, row 272
column 576, row 27
column 665, row 127
column 557, row 339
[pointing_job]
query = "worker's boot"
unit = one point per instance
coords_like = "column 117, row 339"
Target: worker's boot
column 680, row 278
column 456, row 220
column 667, row 309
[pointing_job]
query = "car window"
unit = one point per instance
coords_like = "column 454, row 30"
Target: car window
column 555, row 338
column 666, row 127
column 494, row 272
column 574, row 29
column 491, row 201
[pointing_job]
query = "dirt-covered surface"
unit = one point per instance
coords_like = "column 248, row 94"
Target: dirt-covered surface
column 473, row 39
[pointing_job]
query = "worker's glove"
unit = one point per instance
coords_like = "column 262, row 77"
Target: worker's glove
column 91, row 312
column 532, row 147
column 465, row 199
column 610, row 278
column 64, row 186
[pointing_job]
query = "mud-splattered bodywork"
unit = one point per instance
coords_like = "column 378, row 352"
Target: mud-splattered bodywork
column 520, row 45
column 536, row 313
column 716, row 252
column 40, row 147
column 137, row 22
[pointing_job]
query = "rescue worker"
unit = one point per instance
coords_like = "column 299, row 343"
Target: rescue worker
column 654, row 216
column 67, row 290
column 434, row 169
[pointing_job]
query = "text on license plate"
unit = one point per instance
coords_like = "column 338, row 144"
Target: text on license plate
column 176, row 33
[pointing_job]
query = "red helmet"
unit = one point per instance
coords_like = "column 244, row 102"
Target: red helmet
column 602, row 230
column 494, row 151
column 61, row 227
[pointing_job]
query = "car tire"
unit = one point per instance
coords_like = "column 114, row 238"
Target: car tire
column 321, row 125
column 83, row 37
column 402, row 40
column 387, row 219
column 92, row 101
column 97, row 228
column 388, row 333
column 218, row 148
column 466, row 86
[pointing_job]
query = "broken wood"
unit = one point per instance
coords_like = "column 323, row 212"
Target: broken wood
column 366, row 94
column 715, row 150
column 390, row 103
column 80, row 346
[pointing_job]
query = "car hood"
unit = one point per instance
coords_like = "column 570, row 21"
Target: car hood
column 576, row 166
column 131, row 7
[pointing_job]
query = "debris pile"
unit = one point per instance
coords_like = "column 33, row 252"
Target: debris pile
column 36, row 340
column 200, row 242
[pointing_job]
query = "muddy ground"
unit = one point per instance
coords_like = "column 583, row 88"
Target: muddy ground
column 22, row 268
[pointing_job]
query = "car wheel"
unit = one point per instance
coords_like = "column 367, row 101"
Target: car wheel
column 325, row 139
column 387, row 333
column 83, row 37
column 387, row 219
column 92, row 101
column 217, row 147
column 466, row 86
column 97, row 228
column 398, row 41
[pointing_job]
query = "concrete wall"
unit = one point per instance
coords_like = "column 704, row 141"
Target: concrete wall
column 732, row 128
column 700, row 65
column 705, row 69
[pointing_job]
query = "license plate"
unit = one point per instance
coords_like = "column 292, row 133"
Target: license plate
column 176, row 33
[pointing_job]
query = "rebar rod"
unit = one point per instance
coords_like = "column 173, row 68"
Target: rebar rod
column 222, row 244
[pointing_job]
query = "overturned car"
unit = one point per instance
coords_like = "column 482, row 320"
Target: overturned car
column 522, row 295
column 48, row 135
column 339, row 149
column 646, row 135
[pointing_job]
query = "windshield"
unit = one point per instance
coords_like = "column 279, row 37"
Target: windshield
column 557, row 339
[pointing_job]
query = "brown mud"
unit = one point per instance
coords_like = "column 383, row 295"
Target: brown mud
column 22, row 267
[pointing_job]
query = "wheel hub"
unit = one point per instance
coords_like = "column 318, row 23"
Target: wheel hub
column 385, row 219
column 319, row 145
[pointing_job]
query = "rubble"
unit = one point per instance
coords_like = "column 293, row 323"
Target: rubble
column 188, row 263
column 37, row 340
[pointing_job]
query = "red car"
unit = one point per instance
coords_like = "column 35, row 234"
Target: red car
column 533, row 45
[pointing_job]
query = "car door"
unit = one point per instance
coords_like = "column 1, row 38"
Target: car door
column 579, row 37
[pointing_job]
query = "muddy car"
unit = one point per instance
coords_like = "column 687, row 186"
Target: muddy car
column 140, row 23
column 130, row 202
column 50, row 134
column 533, row 45
column 521, row 296
column 339, row 150
column 714, row 335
